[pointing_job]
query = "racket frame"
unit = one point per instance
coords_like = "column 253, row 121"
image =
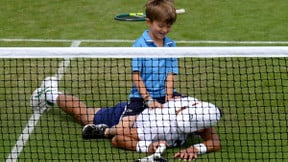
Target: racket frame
column 138, row 16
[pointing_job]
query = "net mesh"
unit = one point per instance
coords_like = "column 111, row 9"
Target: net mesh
column 251, row 91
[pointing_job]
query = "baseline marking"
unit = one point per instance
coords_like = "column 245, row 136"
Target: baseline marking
column 32, row 122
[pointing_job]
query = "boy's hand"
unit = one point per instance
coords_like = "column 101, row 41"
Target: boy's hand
column 168, row 98
column 154, row 104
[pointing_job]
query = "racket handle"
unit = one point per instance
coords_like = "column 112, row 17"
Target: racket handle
column 180, row 11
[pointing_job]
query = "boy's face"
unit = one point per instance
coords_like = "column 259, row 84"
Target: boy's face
column 158, row 29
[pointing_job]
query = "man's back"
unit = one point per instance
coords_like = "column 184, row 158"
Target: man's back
column 161, row 124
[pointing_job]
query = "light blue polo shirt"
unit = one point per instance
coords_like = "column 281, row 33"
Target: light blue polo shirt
column 153, row 71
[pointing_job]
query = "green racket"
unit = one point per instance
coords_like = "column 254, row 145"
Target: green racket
column 138, row 16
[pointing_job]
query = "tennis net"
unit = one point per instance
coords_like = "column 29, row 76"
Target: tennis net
column 249, row 84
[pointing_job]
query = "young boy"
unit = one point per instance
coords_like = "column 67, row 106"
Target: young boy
column 153, row 78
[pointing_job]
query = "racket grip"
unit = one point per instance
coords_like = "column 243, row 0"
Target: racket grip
column 180, row 11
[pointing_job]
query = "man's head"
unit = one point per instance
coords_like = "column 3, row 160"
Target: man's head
column 198, row 116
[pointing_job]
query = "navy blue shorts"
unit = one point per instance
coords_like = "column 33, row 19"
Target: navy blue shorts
column 137, row 105
column 110, row 116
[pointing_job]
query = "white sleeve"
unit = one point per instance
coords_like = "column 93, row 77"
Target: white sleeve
column 142, row 146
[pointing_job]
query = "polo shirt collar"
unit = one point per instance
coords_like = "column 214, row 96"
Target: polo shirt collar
column 149, row 40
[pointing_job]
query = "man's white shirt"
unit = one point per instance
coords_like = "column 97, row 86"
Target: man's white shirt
column 161, row 123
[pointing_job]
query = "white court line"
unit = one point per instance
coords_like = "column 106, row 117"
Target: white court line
column 32, row 122
column 130, row 41
column 23, row 138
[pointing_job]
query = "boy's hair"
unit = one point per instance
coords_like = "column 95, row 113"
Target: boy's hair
column 161, row 10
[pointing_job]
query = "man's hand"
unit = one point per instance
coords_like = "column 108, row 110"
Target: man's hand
column 190, row 153
column 153, row 146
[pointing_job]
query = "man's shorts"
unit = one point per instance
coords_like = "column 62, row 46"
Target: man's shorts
column 137, row 105
column 110, row 116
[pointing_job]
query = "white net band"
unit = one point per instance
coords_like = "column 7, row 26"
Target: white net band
column 129, row 52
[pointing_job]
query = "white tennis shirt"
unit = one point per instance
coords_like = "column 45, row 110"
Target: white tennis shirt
column 161, row 124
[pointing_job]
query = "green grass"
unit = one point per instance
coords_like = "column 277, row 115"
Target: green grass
column 251, row 91
column 208, row 20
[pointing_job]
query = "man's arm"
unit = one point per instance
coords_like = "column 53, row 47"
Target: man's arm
column 125, row 142
column 133, row 144
column 210, row 143
column 127, row 138
column 130, row 143
column 210, row 139
column 154, row 145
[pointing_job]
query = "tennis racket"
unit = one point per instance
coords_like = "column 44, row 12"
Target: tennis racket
column 138, row 16
column 156, row 157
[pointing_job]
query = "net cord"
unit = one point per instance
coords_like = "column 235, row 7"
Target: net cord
column 130, row 52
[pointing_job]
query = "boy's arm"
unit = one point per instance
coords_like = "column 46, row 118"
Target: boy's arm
column 172, row 71
column 137, row 80
column 169, row 86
